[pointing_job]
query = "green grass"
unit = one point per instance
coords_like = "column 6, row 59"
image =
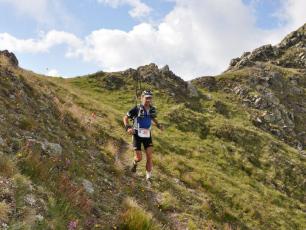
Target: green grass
column 225, row 158
column 212, row 166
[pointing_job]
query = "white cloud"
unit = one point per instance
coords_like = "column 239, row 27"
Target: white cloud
column 52, row 72
column 139, row 9
column 196, row 38
column 293, row 14
column 42, row 44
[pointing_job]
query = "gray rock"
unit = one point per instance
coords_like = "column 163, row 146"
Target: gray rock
column 4, row 226
column 2, row 142
column 258, row 120
column 234, row 61
column 237, row 89
column 39, row 217
column 209, row 82
column 271, row 99
column 165, row 69
column 299, row 146
column 88, row 186
column 258, row 102
column 208, row 96
column 30, row 200
column 269, row 117
column 245, row 54
column 52, row 148
column 193, row 92
column 262, row 53
column 294, row 90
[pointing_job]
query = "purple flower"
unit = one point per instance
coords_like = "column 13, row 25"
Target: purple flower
column 73, row 225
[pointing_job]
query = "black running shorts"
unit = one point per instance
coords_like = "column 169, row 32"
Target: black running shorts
column 147, row 142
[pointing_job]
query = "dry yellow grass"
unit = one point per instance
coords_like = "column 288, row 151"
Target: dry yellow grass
column 7, row 167
column 4, row 212
column 135, row 217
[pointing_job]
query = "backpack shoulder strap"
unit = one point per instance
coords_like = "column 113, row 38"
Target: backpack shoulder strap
column 152, row 111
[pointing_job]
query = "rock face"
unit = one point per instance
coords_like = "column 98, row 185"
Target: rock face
column 9, row 58
column 290, row 52
column 163, row 78
column 193, row 92
column 276, row 101
column 209, row 83
column 270, row 82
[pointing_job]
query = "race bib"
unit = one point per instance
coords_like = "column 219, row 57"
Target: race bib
column 144, row 133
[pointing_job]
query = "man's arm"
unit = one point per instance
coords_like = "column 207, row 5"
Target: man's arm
column 157, row 124
column 126, row 120
column 130, row 114
column 128, row 127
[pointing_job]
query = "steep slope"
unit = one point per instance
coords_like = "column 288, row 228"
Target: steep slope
column 218, row 165
column 47, row 156
column 210, row 154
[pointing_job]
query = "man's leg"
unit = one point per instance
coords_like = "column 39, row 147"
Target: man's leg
column 149, row 164
column 137, row 158
column 138, row 155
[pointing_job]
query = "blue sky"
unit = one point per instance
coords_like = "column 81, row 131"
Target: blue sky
column 195, row 37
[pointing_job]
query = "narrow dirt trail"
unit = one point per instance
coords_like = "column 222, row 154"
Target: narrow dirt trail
column 146, row 195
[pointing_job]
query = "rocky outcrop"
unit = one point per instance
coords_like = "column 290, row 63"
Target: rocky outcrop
column 8, row 57
column 193, row 92
column 276, row 97
column 209, row 83
column 163, row 78
column 45, row 147
column 296, row 38
column 290, row 52
column 278, row 104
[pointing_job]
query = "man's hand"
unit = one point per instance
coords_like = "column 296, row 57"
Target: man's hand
column 160, row 127
column 130, row 131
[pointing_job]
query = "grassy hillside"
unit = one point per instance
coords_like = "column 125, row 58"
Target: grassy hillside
column 213, row 166
column 232, row 155
column 62, row 167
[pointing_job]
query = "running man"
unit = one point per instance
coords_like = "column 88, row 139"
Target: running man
column 142, row 116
